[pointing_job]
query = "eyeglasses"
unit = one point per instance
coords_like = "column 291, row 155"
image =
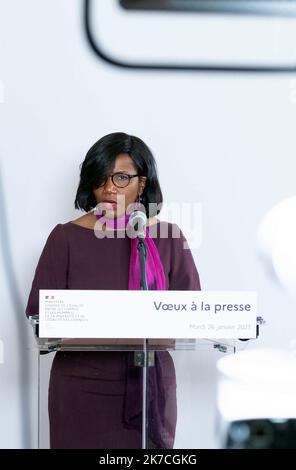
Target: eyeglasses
column 120, row 180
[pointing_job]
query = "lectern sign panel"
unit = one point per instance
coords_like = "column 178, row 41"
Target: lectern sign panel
column 146, row 314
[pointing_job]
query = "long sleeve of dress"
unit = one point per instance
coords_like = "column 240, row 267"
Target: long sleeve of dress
column 52, row 268
column 183, row 274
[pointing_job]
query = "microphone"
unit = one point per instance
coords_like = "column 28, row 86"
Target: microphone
column 138, row 221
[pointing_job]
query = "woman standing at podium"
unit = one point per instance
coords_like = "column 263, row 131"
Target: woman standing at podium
column 95, row 398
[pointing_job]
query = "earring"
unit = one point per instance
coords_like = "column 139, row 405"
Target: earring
column 138, row 201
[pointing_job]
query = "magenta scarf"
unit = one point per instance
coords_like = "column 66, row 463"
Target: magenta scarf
column 154, row 267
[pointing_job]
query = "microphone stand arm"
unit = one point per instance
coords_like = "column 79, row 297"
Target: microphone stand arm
column 143, row 255
column 144, row 286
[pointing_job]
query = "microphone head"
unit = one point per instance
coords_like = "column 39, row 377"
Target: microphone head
column 138, row 221
column 137, row 215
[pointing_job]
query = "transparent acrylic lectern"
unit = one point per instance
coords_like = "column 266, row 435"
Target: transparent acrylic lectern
column 194, row 363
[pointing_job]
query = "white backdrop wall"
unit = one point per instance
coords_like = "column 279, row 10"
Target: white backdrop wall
column 226, row 141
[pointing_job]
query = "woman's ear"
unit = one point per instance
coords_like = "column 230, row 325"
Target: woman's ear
column 142, row 183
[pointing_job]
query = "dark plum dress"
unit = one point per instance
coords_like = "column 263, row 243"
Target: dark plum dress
column 95, row 398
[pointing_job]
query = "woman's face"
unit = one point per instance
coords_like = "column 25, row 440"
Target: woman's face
column 121, row 197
